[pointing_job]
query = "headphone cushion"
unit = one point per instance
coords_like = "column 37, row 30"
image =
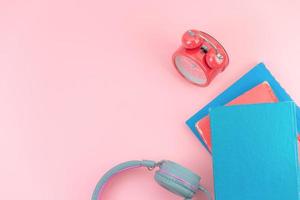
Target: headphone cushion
column 177, row 179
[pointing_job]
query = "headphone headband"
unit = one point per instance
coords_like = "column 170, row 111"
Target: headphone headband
column 170, row 175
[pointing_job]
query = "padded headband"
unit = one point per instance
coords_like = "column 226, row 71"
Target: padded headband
column 170, row 175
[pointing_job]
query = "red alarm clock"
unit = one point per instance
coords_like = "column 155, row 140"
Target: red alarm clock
column 200, row 57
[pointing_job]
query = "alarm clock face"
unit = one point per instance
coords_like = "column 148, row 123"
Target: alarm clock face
column 190, row 70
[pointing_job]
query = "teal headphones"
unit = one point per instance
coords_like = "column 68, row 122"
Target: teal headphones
column 170, row 175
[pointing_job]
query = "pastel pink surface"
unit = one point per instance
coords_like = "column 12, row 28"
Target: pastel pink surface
column 88, row 84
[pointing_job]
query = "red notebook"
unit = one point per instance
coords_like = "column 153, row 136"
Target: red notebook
column 261, row 93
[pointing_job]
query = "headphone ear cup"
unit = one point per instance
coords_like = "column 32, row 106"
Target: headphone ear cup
column 173, row 186
column 214, row 60
column 177, row 179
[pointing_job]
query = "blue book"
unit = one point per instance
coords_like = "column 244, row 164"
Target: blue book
column 255, row 76
column 254, row 151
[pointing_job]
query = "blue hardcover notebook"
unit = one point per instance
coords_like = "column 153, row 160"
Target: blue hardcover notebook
column 254, row 152
column 255, row 76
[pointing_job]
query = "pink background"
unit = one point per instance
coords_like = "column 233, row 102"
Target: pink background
column 88, row 84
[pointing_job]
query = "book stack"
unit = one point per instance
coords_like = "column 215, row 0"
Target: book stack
column 251, row 131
